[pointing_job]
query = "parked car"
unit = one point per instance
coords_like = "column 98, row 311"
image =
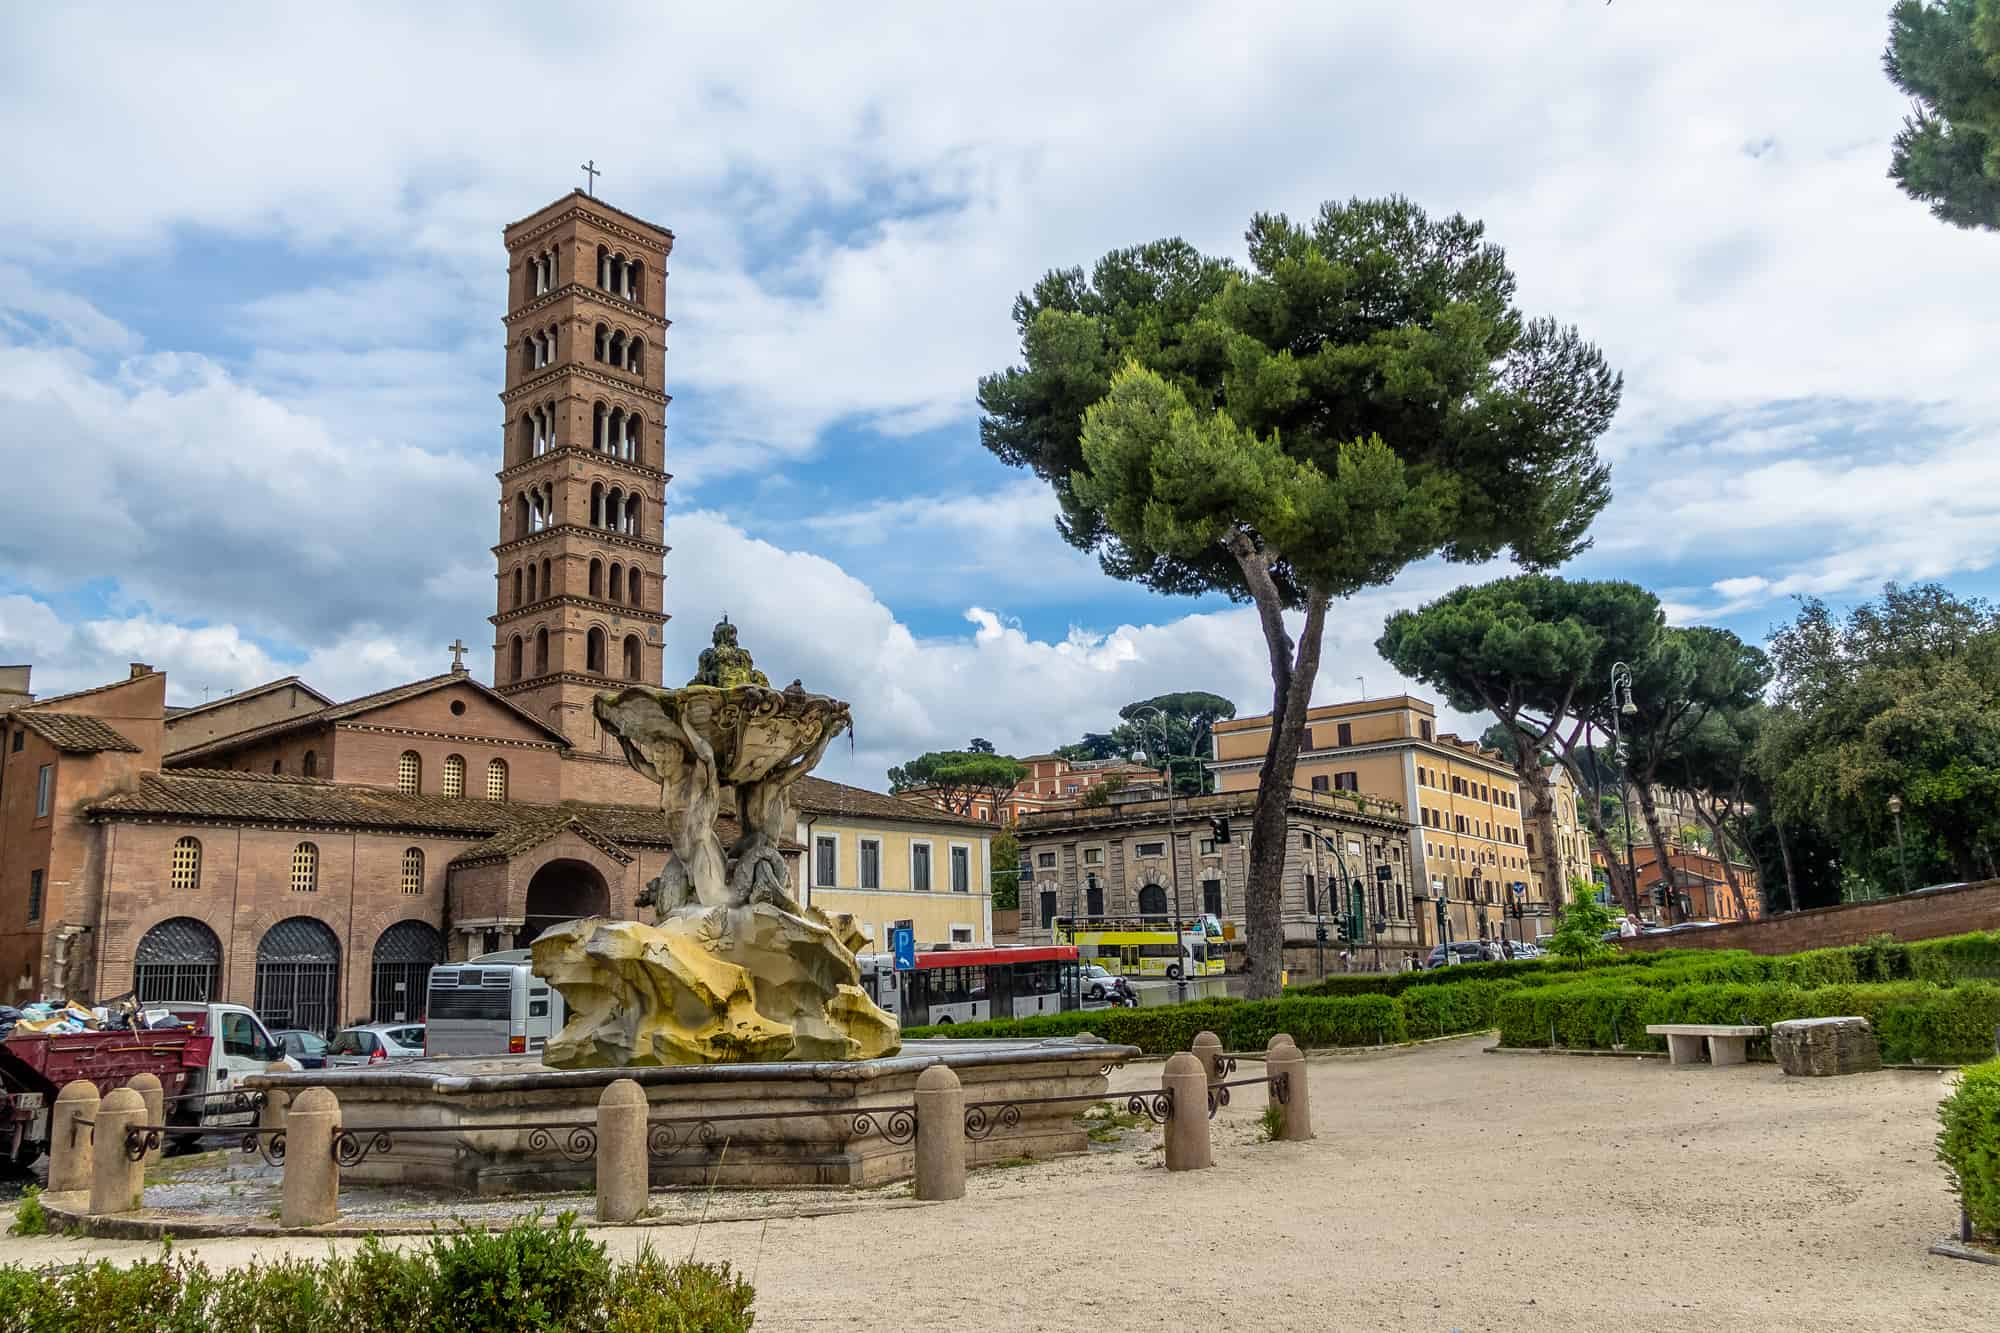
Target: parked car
column 376, row 1043
column 1099, row 984
column 1462, row 951
column 308, row 1048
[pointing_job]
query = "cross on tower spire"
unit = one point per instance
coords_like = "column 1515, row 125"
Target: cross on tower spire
column 590, row 169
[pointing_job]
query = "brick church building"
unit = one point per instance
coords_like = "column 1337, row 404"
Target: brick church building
column 314, row 858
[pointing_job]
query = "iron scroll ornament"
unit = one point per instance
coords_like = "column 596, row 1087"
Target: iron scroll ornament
column 979, row 1125
column 1159, row 1107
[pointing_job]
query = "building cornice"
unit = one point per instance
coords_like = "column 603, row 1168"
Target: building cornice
column 1372, row 748
column 581, row 530
column 455, row 737
column 609, row 300
column 605, row 216
column 638, row 389
column 617, row 610
column 593, row 456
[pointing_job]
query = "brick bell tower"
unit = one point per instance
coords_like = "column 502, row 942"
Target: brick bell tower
column 583, row 482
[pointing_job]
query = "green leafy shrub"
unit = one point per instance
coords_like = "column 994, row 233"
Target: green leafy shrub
column 30, row 1218
column 1968, row 1143
column 1313, row 1020
column 531, row 1277
column 1438, row 1011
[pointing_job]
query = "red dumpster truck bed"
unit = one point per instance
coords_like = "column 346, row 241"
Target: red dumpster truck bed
column 34, row 1067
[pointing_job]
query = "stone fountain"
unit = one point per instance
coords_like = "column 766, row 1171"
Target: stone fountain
column 739, row 1011
column 736, row 969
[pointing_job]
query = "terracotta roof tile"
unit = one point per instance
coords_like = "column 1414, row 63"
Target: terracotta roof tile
column 73, row 733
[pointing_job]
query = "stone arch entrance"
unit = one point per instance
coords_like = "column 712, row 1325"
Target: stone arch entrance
column 178, row 961
column 298, row 976
column 404, row 956
column 561, row 891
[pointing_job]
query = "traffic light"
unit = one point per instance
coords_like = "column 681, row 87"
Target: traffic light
column 1660, row 894
column 1320, row 932
column 1218, row 827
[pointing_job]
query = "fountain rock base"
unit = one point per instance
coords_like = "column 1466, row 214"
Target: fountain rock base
column 705, row 986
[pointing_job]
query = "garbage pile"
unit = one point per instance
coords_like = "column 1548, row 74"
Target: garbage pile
column 60, row 1018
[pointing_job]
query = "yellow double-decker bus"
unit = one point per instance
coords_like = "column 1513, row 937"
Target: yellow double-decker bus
column 1143, row 947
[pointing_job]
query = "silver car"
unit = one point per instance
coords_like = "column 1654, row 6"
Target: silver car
column 375, row 1044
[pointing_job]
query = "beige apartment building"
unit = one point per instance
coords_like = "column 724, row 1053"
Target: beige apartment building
column 1462, row 804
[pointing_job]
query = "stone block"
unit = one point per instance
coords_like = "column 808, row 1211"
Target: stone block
column 1816, row 1047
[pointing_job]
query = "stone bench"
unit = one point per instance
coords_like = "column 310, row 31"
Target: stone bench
column 1819, row 1047
column 1728, row 1043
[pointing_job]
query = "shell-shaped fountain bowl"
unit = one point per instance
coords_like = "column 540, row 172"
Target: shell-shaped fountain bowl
column 753, row 730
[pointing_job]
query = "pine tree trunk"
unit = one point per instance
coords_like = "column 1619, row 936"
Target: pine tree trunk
column 1785, row 855
column 1722, row 855
column 1623, row 887
column 1662, row 864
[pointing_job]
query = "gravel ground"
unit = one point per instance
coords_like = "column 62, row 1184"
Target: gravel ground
column 1448, row 1189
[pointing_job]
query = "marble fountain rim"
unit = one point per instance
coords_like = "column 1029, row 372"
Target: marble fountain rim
column 969, row 1054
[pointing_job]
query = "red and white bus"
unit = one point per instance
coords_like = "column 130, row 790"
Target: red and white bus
column 967, row 985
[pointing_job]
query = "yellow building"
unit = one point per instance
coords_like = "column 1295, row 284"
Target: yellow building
column 1463, row 801
column 894, row 863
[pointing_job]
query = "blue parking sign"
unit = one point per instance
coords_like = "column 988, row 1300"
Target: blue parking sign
column 904, row 941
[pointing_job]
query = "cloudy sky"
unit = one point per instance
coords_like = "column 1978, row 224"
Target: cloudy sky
column 250, row 311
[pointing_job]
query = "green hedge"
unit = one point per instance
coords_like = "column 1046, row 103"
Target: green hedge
column 1968, row 1143
column 1915, row 1021
column 530, row 1278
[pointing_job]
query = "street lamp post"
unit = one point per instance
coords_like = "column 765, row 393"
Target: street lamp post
column 1181, row 959
column 1622, row 706
column 1902, row 857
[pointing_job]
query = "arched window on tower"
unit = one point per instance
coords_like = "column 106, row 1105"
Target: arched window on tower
column 617, row 430
column 409, row 773
column 635, row 587
column 635, row 284
column 617, row 580
column 635, row 356
column 632, row 515
column 630, row 451
column 596, row 504
column 527, row 354
column 599, row 415
column 596, row 577
column 618, row 349
column 614, row 505
column 593, row 651
column 514, row 659
column 548, row 584
column 603, row 349
column 521, row 515
column 542, row 651
column 309, row 765
column 517, row 585
column 631, row 657
column 604, row 268
column 533, row 596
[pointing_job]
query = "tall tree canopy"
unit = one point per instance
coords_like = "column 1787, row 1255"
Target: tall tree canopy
column 1536, row 652
column 1899, row 698
column 1363, row 394
column 1171, row 731
column 1946, row 55
column 961, row 777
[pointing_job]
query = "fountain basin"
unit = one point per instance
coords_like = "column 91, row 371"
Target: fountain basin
column 460, row 1102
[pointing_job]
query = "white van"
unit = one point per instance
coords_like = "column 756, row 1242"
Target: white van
column 491, row 1005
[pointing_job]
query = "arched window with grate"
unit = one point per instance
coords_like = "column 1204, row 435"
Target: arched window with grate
column 409, row 773
column 496, row 779
column 178, row 961
column 454, row 776
column 305, row 868
column 413, row 870
column 298, row 976
column 404, row 956
column 187, row 864
column 310, row 765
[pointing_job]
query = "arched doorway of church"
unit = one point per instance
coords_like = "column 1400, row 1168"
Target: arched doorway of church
column 562, row 891
column 298, row 976
column 178, row 961
column 404, row 956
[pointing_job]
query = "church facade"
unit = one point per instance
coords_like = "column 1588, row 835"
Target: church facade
column 313, row 858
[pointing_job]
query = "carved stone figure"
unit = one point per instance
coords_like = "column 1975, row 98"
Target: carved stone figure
column 735, row 969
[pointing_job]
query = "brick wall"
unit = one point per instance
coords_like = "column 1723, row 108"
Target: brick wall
column 1914, row 917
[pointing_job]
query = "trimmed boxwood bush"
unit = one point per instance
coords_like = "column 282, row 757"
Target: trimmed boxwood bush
column 1968, row 1143
column 532, row 1277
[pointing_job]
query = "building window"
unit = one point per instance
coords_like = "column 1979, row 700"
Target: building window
column 45, row 790
column 1150, row 849
column 961, row 934
column 409, row 773
column 1347, row 781
column 496, row 779
column 454, row 776
column 1046, row 860
column 1312, row 908
column 413, row 870
column 1093, row 856
column 1424, row 730
column 186, row 870
column 310, row 765
column 871, row 863
column 961, row 870
column 34, row 895
column 920, row 866
column 20, row 737
column 1208, row 847
column 826, row 861
column 305, row 868
column 1346, row 732
column 1319, row 782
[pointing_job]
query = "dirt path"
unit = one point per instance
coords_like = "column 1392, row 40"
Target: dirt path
column 1448, row 1189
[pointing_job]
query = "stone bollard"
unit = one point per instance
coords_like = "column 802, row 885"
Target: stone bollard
column 312, row 1176
column 70, row 1164
column 1283, row 1059
column 1207, row 1048
column 624, row 1181
column 1186, row 1087
column 148, row 1088
column 116, row 1181
column 940, row 1135
column 271, row 1115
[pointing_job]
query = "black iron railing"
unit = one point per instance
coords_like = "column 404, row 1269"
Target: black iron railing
column 142, row 1139
column 983, row 1118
